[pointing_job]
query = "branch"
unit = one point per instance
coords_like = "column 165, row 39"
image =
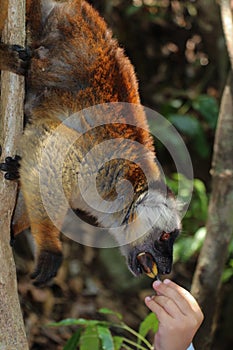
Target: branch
column 12, row 333
column 207, row 278
column 227, row 22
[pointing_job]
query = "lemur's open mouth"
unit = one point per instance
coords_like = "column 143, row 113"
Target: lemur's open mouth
column 147, row 264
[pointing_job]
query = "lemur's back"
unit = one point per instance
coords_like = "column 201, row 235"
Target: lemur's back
column 77, row 60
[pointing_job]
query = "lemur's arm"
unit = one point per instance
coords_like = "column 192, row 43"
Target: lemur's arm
column 13, row 58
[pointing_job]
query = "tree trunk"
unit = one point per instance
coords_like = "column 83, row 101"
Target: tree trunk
column 12, row 332
column 207, row 278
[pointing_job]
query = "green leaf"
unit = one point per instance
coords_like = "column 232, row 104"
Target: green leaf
column 89, row 339
column 228, row 272
column 230, row 247
column 67, row 322
column 73, row 341
column 227, row 275
column 76, row 322
column 105, row 337
column 191, row 127
column 186, row 247
column 150, row 323
column 107, row 311
column 132, row 10
column 117, row 342
column 207, row 106
column 201, row 144
column 187, row 124
column 200, row 190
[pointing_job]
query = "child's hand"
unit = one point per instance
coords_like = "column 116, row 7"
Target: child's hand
column 178, row 313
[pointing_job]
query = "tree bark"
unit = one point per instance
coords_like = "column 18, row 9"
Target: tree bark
column 12, row 332
column 209, row 24
column 207, row 278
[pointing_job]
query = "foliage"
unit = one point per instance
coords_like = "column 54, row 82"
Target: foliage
column 228, row 271
column 186, row 247
column 99, row 335
column 193, row 231
column 195, row 119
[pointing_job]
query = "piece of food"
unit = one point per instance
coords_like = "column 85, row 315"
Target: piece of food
column 147, row 264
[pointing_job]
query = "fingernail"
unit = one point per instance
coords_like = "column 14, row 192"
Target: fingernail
column 166, row 281
column 148, row 299
column 156, row 283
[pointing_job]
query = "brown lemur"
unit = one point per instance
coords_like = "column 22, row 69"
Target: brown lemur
column 71, row 63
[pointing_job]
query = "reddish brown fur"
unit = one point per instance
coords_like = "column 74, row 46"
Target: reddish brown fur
column 65, row 76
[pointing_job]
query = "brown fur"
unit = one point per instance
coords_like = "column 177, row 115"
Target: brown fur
column 3, row 13
column 75, row 63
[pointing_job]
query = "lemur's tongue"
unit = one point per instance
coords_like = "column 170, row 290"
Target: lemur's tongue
column 148, row 264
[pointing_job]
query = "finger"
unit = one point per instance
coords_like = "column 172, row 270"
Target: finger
column 160, row 312
column 180, row 296
column 187, row 296
column 169, row 306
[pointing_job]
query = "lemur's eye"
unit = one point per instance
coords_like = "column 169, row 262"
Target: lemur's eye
column 165, row 236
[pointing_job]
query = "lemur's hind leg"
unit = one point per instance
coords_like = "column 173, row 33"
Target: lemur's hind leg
column 20, row 221
column 49, row 254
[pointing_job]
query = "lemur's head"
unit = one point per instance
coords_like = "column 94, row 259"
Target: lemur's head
column 155, row 214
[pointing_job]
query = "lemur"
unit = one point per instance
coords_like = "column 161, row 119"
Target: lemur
column 72, row 63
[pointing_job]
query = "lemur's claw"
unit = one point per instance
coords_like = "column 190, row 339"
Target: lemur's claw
column 11, row 168
column 20, row 59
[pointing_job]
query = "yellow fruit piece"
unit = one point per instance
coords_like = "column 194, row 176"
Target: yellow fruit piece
column 154, row 271
column 148, row 264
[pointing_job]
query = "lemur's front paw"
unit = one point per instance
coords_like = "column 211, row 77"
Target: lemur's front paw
column 19, row 59
column 11, row 168
column 48, row 264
